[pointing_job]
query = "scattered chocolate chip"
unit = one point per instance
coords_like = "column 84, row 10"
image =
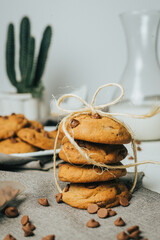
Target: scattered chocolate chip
column 132, row 229
column 58, row 197
column 102, row 213
column 138, row 142
column 124, row 202
column 101, row 204
column 91, row 186
column 92, row 223
column 139, row 149
column 95, row 116
column 122, row 236
column 67, row 188
column 24, row 220
column 9, row 237
column 111, row 213
column 135, row 235
column 92, row 208
column 30, row 226
column 74, row 123
column 49, row 237
column 131, row 158
column 11, row 212
column 43, row 202
column 119, row 222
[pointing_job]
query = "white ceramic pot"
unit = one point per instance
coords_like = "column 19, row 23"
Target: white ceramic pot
column 32, row 108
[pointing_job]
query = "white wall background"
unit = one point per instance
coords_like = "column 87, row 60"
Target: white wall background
column 88, row 45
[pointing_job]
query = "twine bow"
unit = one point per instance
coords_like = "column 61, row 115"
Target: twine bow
column 91, row 108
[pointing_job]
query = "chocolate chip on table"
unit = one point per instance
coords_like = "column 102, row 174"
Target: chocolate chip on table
column 102, row 213
column 122, row 236
column 24, row 220
column 67, row 188
column 30, row 226
column 43, row 202
column 11, row 212
column 134, row 235
column 131, row 158
column 74, row 123
column 58, row 197
column 139, row 149
column 9, row 237
column 95, row 116
column 119, row 222
column 124, row 202
column 92, row 223
column 138, row 142
column 49, row 237
column 92, row 208
column 132, row 229
column 111, row 213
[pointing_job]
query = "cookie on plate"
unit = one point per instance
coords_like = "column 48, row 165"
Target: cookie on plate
column 107, row 194
column 94, row 128
column 103, row 153
column 38, row 138
column 16, row 145
column 88, row 173
column 9, row 125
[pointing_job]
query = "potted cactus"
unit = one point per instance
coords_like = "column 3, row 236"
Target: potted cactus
column 29, row 87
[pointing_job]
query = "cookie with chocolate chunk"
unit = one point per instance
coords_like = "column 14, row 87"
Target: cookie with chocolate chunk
column 16, row 145
column 38, row 138
column 103, row 153
column 96, row 128
column 35, row 124
column 9, row 125
column 107, row 194
column 88, row 173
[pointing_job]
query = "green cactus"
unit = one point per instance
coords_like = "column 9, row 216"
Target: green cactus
column 31, row 68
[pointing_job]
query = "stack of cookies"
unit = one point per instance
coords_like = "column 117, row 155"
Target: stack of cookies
column 102, row 139
column 20, row 135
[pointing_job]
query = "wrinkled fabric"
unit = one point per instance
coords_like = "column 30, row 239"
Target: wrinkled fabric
column 69, row 223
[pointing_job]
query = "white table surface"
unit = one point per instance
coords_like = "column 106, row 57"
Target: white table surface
column 150, row 151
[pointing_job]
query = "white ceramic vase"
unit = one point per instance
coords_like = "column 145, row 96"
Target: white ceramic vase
column 32, row 108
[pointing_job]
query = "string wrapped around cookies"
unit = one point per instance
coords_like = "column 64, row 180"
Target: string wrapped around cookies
column 107, row 134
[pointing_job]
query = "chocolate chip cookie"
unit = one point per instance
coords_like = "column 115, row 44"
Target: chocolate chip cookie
column 88, row 173
column 107, row 194
column 103, row 153
column 38, row 138
column 96, row 128
column 9, row 125
column 16, row 145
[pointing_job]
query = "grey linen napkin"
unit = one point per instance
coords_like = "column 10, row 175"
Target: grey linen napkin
column 69, row 223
